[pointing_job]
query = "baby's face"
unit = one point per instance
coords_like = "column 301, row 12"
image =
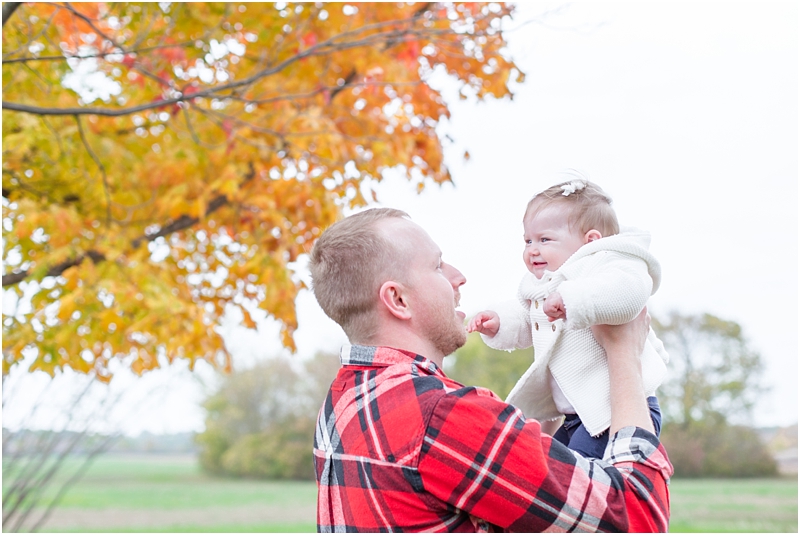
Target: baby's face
column 549, row 240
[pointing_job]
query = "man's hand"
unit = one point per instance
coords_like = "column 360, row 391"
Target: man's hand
column 624, row 345
column 486, row 322
column 554, row 307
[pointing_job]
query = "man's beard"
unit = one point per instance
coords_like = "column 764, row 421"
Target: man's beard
column 448, row 335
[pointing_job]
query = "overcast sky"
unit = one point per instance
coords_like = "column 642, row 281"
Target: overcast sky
column 685, row 113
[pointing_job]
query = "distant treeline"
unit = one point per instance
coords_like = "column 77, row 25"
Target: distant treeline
column 176, row 443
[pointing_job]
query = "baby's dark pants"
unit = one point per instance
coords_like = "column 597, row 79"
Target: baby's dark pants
column 574, row 435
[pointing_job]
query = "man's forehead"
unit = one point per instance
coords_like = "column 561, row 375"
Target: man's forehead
column 400, row 226
column 398, row 229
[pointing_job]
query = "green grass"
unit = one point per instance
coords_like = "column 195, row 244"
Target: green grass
column 221, row 528
column 733, row 505
column 174, row 484
column 163, row 483
column 114, row 483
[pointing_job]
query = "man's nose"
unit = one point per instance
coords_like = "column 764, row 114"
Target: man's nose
column 456, row 278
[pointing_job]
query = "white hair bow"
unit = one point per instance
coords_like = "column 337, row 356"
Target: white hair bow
column 572, row 187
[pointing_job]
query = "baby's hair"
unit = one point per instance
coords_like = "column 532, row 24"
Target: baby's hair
column 590, row 205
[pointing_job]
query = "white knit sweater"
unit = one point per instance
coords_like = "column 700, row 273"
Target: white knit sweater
column 607, row 281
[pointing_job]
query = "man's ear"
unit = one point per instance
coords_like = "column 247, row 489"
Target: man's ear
column 393, row 298
column 592, row 235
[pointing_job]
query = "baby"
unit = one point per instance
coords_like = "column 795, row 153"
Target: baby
column 583, row 272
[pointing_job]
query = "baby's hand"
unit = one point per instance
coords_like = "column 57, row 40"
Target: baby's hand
column 486, row 322
column 554, row 307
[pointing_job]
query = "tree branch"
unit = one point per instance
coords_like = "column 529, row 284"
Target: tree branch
column 89, row 21
column 181, row 223
column 8, row 9
column 58, row 269
column 100, row 165
column 324, row 48
column 101, row 55
column 184, row 221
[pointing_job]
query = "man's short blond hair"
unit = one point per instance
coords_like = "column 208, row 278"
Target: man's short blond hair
column 349, row 263
column 590, row 207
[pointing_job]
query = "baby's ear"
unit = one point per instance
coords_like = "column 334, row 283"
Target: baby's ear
column 592, row 235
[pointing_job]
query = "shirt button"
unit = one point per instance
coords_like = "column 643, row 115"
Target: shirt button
column 536, row 325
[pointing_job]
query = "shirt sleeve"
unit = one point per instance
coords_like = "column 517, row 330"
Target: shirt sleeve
column 613, row 292
column 515, row 328
column 482, row 456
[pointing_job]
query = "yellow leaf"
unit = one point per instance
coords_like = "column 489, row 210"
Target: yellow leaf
column 66, row 307
column 248, row 320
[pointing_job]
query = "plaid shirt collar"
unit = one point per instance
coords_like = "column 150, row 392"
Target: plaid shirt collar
column 382, row 357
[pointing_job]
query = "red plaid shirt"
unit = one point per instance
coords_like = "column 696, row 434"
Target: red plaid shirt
column 400, row 446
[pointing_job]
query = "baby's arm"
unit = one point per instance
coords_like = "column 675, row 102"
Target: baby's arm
column 511, row 328
column 486, row 322
column 613, row 293
column 554, row 307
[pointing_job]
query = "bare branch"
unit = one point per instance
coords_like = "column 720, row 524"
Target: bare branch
column 87, row 463
column 26, row 482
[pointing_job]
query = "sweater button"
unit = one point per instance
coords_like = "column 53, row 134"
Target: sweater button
column 554, row 328
column 536, row 325
column 536, row 304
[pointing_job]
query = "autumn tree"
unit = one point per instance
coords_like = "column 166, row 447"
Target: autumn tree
column 164, row 161
column 714, row 374
column 715, row 380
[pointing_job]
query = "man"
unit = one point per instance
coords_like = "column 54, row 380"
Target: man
column 400, row 446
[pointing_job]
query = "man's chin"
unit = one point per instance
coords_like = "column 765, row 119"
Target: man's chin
column 455, row 343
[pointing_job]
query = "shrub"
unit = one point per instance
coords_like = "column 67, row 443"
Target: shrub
column 281, row 452
column 717, row 450
column 261, row 421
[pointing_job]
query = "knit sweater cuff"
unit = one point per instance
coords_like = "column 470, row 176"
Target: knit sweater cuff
column 514, row 331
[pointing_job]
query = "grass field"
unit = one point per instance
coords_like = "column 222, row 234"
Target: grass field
column 733, row 505
column 169, row 494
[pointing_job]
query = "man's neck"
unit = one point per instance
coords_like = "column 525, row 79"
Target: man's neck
column 406, row 342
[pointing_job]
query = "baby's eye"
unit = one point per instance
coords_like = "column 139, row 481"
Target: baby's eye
column 528, row 242
column 544, row 240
